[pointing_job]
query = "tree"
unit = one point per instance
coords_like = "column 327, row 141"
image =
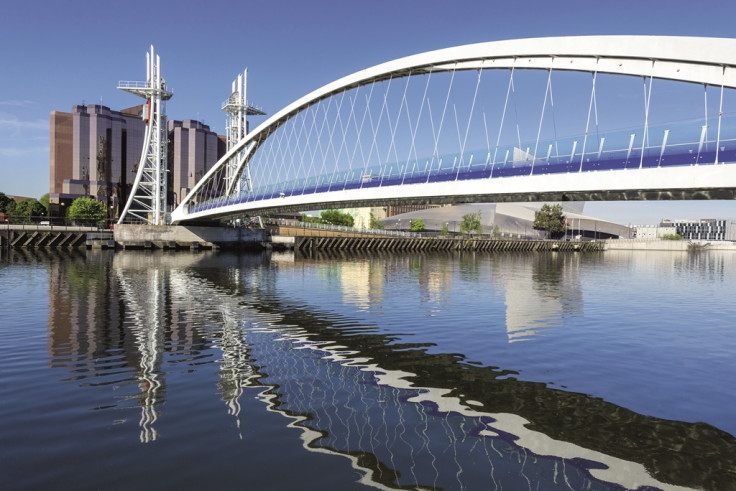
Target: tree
column 87, row 210
column 417, row 225
column 29, row 210
column 444, row 232
column 671, row 237
column 375, row 223
column 4, row 200
column 496, row 231
column 44, row 200
column 335, row 217
column 309, row 219
column 10, row 207
column 471, row 223
column 551, row 219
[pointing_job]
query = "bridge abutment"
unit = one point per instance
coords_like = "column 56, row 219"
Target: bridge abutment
column 179, row 236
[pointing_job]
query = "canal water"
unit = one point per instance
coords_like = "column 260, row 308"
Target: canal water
column 217, row 370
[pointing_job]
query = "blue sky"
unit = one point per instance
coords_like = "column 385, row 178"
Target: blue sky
column 57, row 53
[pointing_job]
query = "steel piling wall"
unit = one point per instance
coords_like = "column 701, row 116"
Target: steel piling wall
column 441, row 244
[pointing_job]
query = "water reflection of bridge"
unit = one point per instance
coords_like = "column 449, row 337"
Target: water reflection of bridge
column 401, row 412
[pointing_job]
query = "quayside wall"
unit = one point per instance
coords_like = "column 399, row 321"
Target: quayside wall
column 194, row 237
column 440, row 244
column 668, row 245
column 32, row 236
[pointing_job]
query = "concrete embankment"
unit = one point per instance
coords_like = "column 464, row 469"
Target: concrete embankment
column 188, row 237
column 667, row 245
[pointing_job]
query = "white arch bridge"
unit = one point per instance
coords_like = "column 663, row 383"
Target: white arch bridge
column 546, row 119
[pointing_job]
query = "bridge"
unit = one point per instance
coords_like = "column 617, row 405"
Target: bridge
column 544, row 119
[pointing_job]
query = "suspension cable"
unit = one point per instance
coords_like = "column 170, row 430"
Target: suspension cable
column 720, row 114
column 647, row 101
column 412, row 147
column 444, row 110
column 472, row 107
column 503, row 116
column 554, row 124
column 541, row 119
column 587, row 124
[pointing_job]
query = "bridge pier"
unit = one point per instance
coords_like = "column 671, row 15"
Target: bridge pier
column 187, row 237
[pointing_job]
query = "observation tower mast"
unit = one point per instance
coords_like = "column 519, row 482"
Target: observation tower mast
column 147, row 200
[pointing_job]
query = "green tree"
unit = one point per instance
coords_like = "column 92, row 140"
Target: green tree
column 4, row 200
column 671, row 237
column 87, row 210
column 44, row 200
column 10, row 207
column 309, row 219
column 444, row 232
column 29, row 210
column 375, row 223
column 471, row 223
column 551, row 219
column 417, row 225
column 496, row 231
column 335, row 217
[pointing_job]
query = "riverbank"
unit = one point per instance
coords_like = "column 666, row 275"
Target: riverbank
column 667, row 245
column 286, row 238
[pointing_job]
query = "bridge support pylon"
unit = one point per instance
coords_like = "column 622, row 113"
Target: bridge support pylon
column 238, row 110
column 147, row 202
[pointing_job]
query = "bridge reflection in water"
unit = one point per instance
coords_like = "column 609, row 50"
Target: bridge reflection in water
column 405, row 415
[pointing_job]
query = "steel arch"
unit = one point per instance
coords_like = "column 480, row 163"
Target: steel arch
column 707, row 61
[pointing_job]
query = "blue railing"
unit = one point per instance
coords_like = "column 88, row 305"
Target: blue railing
column 669, row 146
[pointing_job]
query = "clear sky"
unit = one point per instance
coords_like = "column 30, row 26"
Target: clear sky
column 57, row 53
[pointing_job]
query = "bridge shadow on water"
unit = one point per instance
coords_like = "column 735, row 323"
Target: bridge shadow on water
column 459, row 405
column 405, row 415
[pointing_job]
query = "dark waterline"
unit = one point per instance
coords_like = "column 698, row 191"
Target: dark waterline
column 339, row 371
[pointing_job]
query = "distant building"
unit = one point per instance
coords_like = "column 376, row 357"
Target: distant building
column 193, row 149
column 703, row 229
column 401, row 209
column 362, row 216
column 651, row 232
column 509, row 220
column 94, row 151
